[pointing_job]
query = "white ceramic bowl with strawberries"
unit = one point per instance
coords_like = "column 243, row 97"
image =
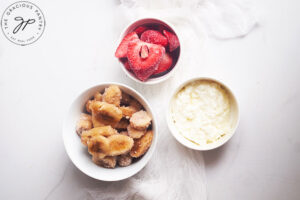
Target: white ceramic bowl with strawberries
column 78, row 152
column 149, row 50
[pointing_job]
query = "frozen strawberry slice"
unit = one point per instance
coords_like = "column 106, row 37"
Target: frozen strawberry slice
column 127, row 65
column 164, row 65
column 139, row 30
column 122, row 48
column 154, row 37
column 172, row 39
column 144, row 67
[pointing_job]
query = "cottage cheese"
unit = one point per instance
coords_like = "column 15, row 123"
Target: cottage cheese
column 201, row 112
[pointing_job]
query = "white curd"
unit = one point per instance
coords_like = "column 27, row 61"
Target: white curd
column 201, row 112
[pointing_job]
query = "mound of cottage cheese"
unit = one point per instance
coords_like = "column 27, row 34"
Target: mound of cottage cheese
column 201, row 112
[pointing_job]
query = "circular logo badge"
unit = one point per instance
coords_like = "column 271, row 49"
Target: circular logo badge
column 23, row 23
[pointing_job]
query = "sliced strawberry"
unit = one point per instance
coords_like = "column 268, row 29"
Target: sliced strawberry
column 154, row 37
column 139, row 30
column 164, row 65
column 127, row 65
column 122, row 48
column 143, row 68
column 172, row 39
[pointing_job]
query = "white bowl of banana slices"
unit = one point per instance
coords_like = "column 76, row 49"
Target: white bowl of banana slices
column 110, row 132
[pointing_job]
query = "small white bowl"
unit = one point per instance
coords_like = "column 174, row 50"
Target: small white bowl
column 78, row 152
column 132, row 26
column 234, row 115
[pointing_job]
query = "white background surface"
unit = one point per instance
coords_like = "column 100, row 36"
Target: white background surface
column 39, row 81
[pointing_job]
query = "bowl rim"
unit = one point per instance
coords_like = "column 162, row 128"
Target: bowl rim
column 163, row 77
column 149, row 153
column 185, row 142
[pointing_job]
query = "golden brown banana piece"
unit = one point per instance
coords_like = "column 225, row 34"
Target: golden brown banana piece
column 124, row 160
column 107, row 162
column 98, row 145
column 140, row 120
column 119, row 144
column 84, row 123
column 141, row 145
column 98, row 96
column 104, row 131
column 105, row 114
column 134, row 133
column 112, row 95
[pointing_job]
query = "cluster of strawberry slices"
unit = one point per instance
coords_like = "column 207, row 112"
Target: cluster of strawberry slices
column 147, row 52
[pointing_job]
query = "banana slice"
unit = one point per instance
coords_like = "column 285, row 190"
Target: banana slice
column 107, row 162
column 128, row 111
column 105, row 114
column 141, row 145
column 134, row 133
column 119, row 144
column 124, row 160
column 98, row 96
column 112, row 95
column 84, row 123
column 98, row 145
column 140, row 120
column 104, row 131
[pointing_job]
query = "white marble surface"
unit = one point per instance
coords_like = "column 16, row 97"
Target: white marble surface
column 38, row 82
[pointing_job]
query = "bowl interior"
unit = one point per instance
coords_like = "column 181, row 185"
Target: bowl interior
column 234, row 119
column 169, row 27
column 78, row 152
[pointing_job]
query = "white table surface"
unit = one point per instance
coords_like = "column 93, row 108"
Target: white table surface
column 39, row 81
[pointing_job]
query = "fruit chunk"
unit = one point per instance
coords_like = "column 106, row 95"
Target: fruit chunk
column 140, row 120
column 124, row 160
column 127, row 65
column 122, row 48
column 107, row 162
column 172, row 39
column 98, row 145
column 134, row 133
column 165, row 64
column 154, row 37
column 103, row 131
column 104, row 114
column 139, row 30
column 112, row 95
column 84, row 123
column 98, row 96
column 143, row 68
column 141, row 145
column 119, row 144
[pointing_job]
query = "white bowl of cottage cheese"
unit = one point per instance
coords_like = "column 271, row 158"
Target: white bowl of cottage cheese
column 203, row 114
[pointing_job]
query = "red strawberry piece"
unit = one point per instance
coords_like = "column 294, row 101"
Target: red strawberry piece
column 165, row 64
column 139, row 30
column 172, row 39
column 154, row 37
column 143, row 68
column 122, row 48
column 127, row 65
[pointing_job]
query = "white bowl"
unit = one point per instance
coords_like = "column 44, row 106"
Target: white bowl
column 78, row 152
column 234, row 115
column 132, row 26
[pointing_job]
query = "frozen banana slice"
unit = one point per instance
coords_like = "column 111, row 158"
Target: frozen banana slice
column 107, row 162
column 98, row 96
column 104, row 131
column 105, row 114
column 119, row 144
column 124, row 160
column 141, row 145
column 112, row 95
column 140, row 120
column 134, row 133
column 98, row 145
column 84, row 123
